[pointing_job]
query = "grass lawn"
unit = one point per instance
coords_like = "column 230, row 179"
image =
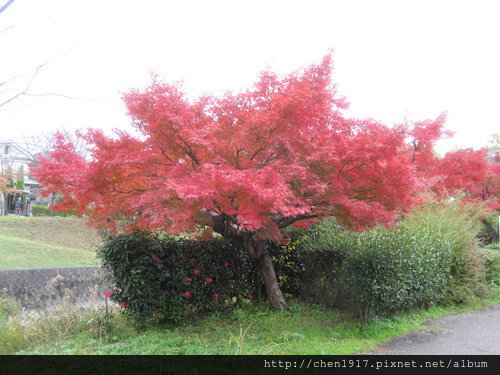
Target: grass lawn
column 37, row 242
column 59, row 231
column 19, row 253
column 305, row 329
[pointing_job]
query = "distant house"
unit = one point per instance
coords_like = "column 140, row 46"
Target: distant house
column 13, row 157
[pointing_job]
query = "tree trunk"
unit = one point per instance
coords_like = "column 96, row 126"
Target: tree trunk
column 257, row 250
column 273, row 291
column 491, row 231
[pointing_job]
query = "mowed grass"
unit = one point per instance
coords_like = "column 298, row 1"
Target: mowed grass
column 40, row 242
column 304, row 329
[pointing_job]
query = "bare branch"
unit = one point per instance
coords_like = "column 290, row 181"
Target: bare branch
column 34, row 74
column 69, row 97
column 6, row 29
column 9, row 80
column 6, row 5
column 42, row 144
column 25, row 91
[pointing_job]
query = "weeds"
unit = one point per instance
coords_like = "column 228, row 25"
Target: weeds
column 21, row 332
column 240, row 339
column 305, row 329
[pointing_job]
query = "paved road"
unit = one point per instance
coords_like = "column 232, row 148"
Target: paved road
column 475, row 332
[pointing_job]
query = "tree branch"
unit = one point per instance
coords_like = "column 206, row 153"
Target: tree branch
column 25, row 91
column 284, row 222
column 68, row 96
column 6, row 5
column 6, row 29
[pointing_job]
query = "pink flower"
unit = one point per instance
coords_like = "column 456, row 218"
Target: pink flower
column 123, row 304
column 107, row 294
column 226, row 264
column 196, row 272
column 216, row 295
column 189, row 279
column 250, row 296
column 208, row 280
column 154, row 257
column 187, row 294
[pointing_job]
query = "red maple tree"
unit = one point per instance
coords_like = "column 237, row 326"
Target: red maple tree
column 473, row 172
column 245, row 165
column 478, row 175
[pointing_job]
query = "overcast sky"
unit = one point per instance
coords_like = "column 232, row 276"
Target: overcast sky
column 393, row 59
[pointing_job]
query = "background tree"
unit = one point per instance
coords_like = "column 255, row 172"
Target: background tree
column 20, row 186
column 494, row 145
column 245, row 165
column 41, row 144
column 3, row 194
column 489, row 189
column 8, row 188
column 20, row 178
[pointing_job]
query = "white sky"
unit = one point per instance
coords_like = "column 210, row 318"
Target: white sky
column 392, row 58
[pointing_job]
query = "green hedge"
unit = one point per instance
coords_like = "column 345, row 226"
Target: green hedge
column 165, row 278
column 157, row 277
column 39, row 210
column 458, row 222
column 322, row 252
column 393, row 270
column 492, row 262
column 375, row 273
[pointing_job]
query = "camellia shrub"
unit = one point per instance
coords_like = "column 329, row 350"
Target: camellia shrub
column 162, row 278
column 165, row 278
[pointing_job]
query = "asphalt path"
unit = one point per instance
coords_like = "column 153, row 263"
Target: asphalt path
column 469, row 333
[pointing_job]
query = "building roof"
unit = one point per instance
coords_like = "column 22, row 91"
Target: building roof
column 20, row 150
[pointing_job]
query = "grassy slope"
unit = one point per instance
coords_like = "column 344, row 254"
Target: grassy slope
column 19, row 253
column 59, row 231
column 29, row 242
column 302, row 330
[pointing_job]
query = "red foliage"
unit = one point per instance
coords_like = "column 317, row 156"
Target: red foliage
column 461, row 170
column 467, row 170
column 488, row 189
column 254, row 162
